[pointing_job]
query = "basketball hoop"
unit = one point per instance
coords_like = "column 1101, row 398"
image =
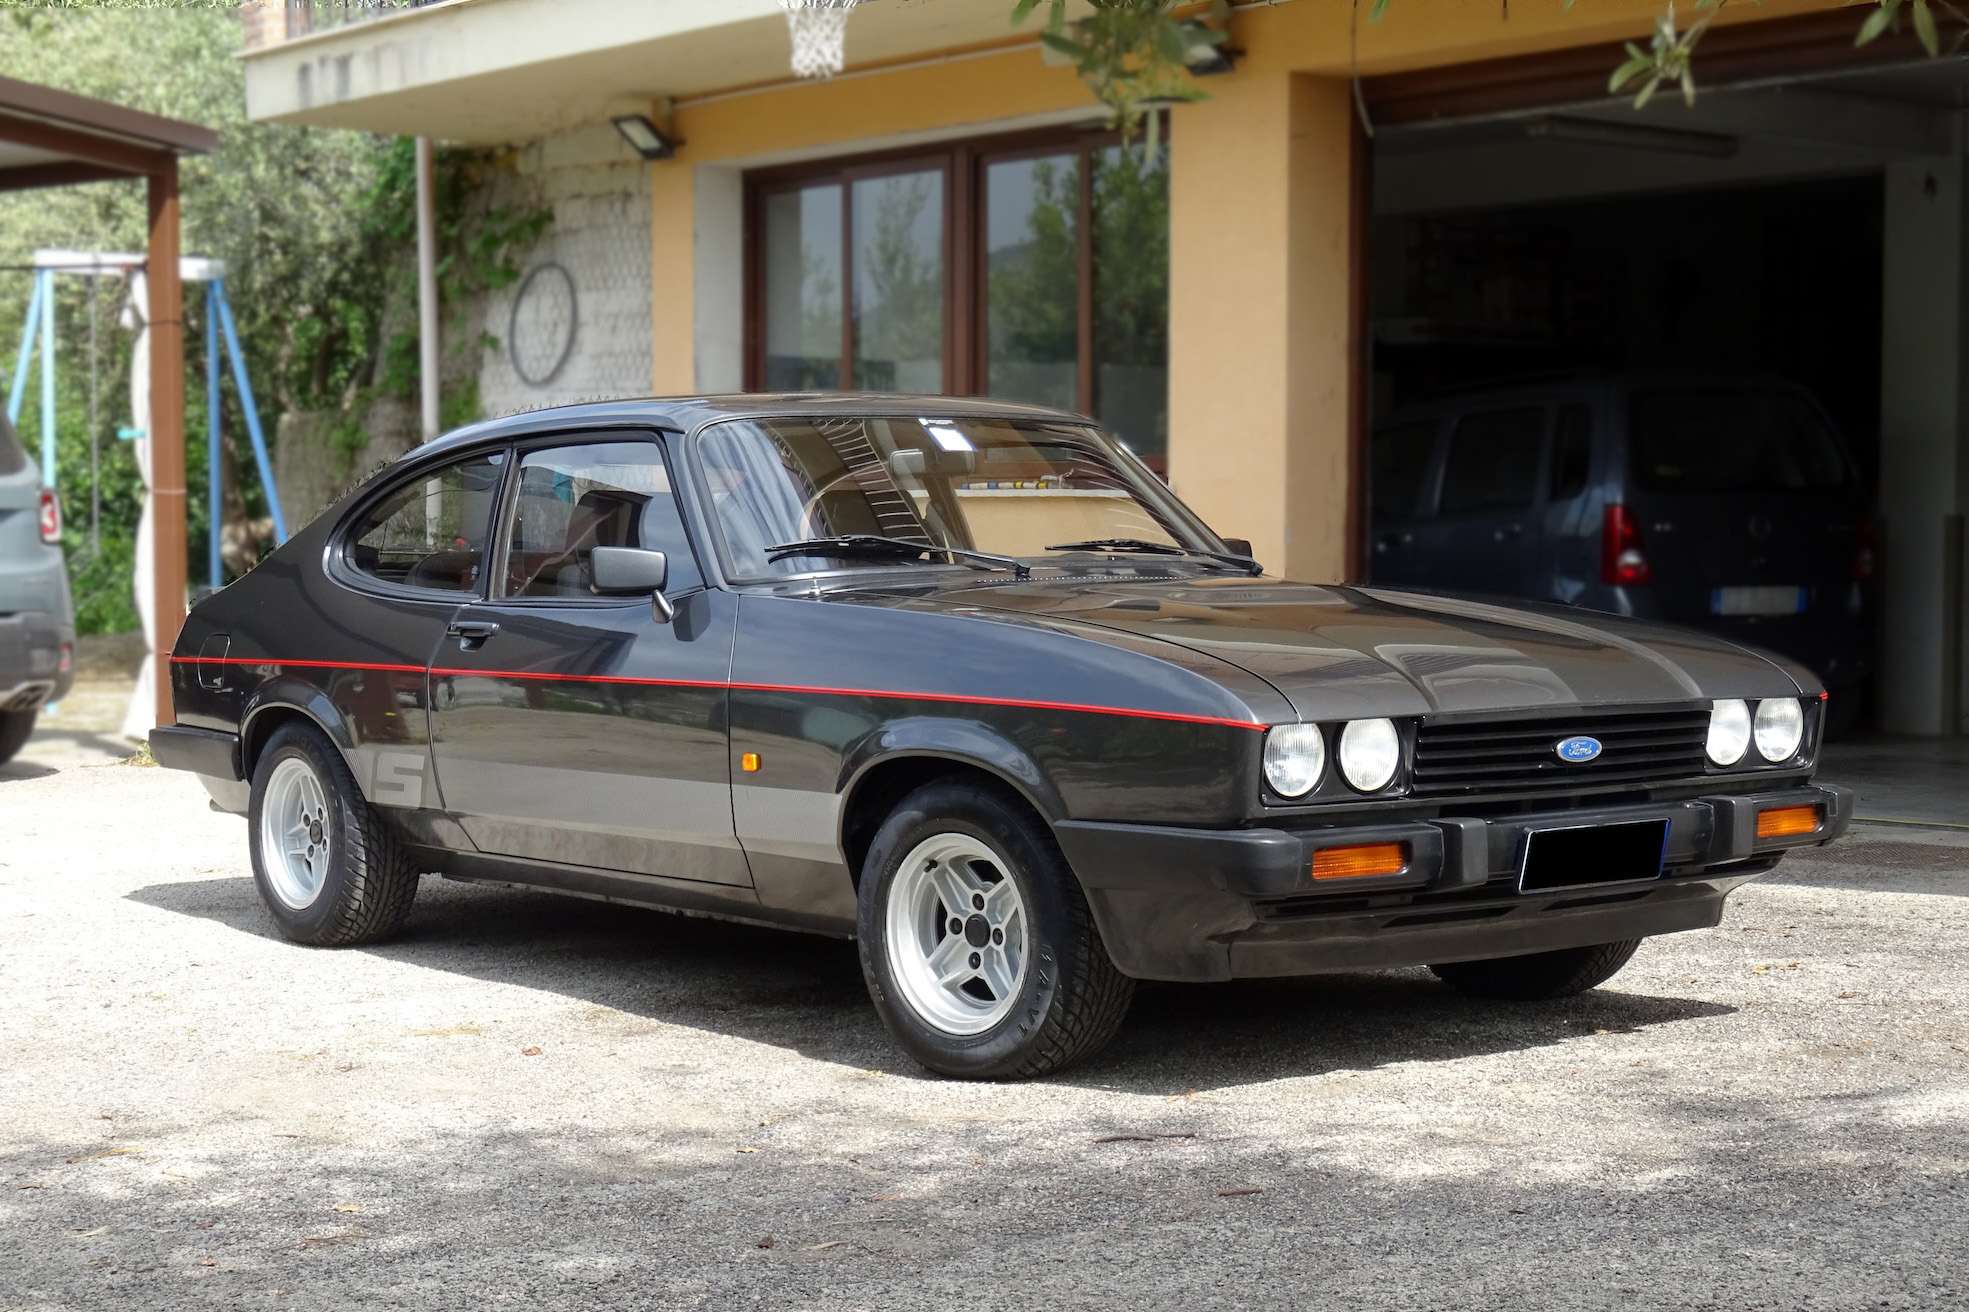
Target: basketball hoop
column 820, row 30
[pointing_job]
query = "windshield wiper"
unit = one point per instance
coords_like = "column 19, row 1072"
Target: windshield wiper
column 1141, row 546
column 874, row 544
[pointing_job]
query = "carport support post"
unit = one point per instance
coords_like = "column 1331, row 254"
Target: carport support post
column 1924, row 421
column 1266, row 242
column 167, row 426
column 427, row 289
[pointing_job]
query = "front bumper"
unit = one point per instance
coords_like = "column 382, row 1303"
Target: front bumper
column 1192, row 904
column 37, row 660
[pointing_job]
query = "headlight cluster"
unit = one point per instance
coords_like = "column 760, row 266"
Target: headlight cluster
column 1777, row 727
column 1370, row 756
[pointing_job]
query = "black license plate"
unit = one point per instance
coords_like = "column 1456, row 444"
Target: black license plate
column 1586, row 855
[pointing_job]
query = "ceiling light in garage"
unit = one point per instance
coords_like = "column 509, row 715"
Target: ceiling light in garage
column 1632, row 136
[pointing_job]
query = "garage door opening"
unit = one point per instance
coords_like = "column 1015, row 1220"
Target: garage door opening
column 1804, row 234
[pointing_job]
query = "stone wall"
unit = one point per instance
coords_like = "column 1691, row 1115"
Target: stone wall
column 584, row 287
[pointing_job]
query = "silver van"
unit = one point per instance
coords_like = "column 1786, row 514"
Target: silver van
column 1729, row 505
column 37, row 620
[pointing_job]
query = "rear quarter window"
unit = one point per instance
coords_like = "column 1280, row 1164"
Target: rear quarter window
column 1717, row 440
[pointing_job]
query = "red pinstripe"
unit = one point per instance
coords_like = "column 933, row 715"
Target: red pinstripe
column 1021, row 702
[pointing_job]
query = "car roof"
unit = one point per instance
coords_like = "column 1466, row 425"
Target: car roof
column 690, row 413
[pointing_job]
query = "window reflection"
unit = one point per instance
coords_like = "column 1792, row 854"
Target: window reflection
column 803, row 289
column 1032, row 280
column 898, row 272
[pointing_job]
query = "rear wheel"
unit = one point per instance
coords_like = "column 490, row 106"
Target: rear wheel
column 1541, row 975
column 980, row 952
column 15, row 729
column 329, row 870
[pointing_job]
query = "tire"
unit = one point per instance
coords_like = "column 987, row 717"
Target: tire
column 1539, row 976
column 1021, row 985
column 347, row 880
column 15, row 729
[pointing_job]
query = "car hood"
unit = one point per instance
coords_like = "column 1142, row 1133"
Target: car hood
column 1342, row 652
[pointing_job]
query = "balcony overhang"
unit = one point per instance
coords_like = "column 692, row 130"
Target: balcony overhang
column 481, row 72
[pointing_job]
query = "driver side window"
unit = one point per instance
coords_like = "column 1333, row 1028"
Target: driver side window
column 572, row 499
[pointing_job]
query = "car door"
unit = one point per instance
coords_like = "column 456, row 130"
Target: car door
column 576, row 728
column 398, row 572
column 1483, row 537
column 1400, row 459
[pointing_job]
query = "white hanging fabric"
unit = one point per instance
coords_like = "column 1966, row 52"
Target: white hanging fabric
column 141, row 717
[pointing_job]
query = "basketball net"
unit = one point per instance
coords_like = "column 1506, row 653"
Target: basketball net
column 820, row 30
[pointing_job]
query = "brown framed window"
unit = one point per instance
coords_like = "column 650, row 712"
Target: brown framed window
column 1031, row 268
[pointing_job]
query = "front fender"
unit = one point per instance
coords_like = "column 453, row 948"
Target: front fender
column 943, row 738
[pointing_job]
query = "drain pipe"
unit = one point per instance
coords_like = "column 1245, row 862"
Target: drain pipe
column 427, row 291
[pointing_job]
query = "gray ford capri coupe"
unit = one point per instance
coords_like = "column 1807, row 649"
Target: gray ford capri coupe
column 964, row 681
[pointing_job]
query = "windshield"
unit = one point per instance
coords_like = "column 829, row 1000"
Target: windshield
column 1009, row 489
column 1715, row 440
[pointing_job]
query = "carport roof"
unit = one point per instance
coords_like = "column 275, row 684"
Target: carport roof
column 51, row 138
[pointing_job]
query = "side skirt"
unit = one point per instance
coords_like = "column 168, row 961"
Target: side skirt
column 682, row 896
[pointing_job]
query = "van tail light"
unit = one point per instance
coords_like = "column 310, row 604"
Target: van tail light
column 51, row 517
column 1623, row 560
column 1863, row 557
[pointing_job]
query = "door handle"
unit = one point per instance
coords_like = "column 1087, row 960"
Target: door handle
column 471, row 634
column 1389, row 540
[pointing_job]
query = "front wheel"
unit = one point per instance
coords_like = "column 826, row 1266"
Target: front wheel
column 980, row 952
column 1540, row 975
column 329, row 870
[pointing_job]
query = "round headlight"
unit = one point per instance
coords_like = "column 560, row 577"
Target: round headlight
column 1780, row 728
column 1729, row 732
column 1295, row 758
column 1370, row 753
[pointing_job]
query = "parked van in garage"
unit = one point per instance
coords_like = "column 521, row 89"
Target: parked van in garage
column 1727, row 505
column 37, row 624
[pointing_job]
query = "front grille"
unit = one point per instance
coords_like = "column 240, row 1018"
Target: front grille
column 1512, row 756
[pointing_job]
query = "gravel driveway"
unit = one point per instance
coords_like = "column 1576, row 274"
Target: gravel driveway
column 545, row 1103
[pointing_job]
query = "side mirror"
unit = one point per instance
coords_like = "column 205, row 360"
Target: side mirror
column 1237, row 546
column 633, row 572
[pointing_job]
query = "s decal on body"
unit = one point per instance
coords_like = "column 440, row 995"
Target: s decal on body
column 399, row 779
column 1579, row 750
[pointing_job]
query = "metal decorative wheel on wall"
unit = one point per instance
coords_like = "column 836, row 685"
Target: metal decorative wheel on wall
column 540, row 333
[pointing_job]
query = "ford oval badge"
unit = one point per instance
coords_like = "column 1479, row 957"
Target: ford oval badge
column 1578, row 750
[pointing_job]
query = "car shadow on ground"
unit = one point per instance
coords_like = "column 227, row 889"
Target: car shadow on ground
column 805, row 993
column 65, row 747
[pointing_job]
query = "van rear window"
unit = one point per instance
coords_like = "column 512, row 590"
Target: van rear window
column 1721, row 440
column 13, row 458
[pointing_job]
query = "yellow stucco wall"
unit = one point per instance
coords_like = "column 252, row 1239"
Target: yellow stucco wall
column 1260, row 259
column 1260, row 239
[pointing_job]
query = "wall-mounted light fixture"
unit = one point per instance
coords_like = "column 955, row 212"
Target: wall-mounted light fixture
column 1207, row 58
column 645, row 137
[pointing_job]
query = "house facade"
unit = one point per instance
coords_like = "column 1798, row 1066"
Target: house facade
column 1359, row 211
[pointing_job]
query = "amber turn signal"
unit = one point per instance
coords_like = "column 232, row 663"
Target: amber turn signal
column 1788, row 822
column 749, row 762
column 1354, row 862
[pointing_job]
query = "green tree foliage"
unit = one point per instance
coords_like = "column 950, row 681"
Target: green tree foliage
column 279, row 205
column 1131, row 53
